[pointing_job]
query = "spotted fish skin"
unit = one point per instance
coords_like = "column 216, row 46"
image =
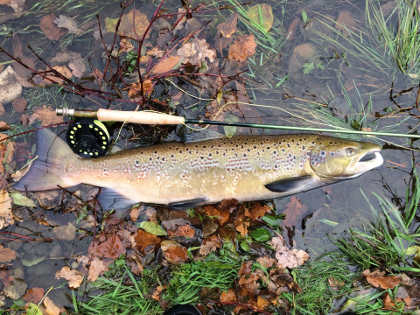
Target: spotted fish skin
column 241, row 168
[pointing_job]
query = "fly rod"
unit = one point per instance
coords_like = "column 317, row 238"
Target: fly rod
column 157, row 118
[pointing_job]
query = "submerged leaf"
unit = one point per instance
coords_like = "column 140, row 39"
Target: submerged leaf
column 262, row 16
column 166, row 64
column 6, row 217
column 74, row 277
column 242, row 48
column 22, row 200
column 6, row 254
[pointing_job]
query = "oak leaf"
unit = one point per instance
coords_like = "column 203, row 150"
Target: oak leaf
column 242, row 48
column 378, row 279
column 74, row 277
column 174, row 252
column 196, row 52
column 6, row 254
column 166, row 64
column 50, row 30
column 294, row 211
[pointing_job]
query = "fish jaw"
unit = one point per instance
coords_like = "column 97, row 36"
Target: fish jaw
column 347, row 160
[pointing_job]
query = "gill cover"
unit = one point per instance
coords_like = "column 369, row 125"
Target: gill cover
column 345, row 159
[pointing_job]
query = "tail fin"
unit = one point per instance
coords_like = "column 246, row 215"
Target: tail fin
column 47, row 171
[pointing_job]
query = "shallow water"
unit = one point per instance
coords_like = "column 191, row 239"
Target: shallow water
column 334, row 82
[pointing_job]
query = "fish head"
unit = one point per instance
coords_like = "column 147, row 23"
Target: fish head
column 336, row 159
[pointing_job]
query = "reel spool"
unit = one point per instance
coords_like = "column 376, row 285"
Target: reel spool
column 88, row 138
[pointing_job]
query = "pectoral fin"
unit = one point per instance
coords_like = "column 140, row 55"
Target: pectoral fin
column 291, row 184
column 110, row 199
column 185, row 204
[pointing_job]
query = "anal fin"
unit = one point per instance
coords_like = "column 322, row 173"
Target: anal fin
column 110, row 199
column 291, row 184
column 185, row 204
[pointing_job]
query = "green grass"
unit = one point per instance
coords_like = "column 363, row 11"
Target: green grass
column 384, row 244
column 315, row 279
column 120, row 292
column 214, row 272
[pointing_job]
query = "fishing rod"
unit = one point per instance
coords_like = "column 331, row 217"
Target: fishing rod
column 157, row 118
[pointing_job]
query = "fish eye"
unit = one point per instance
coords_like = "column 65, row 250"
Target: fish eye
column 350, row 151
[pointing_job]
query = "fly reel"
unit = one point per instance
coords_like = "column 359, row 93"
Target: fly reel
column 88, row 137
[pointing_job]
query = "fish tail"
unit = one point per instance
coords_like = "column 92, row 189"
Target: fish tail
column 47, row 171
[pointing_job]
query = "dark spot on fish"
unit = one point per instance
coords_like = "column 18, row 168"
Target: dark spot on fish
column 172, row 155
column 268, row 148
column 288, row 145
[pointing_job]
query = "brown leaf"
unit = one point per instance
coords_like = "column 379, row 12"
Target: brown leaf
column 228, row 297
column 266, row 261
column 294, row 211
column 345, row 22
column 19, row 105
column 389, row 304
column 222, row 216
column 16, row 5
column 6, row 254
column 2, row 110
column 378, row 279
column 68, row 23
column 242, row 48
column 257, row 211
column 97, row 267
column 183, row 231
column 49, row 28
column 262, row 303
column 46, row 115
column 74, row 277
column 166, row 64
column 242, row 228
column 157, row 292
column 4, row 126
column 10, row 88
column 6, row 216
column 196, row 52
column 145, row 239
column 133, row 24
column 65, row 232
column 34, row 295
column 50, row 307
column 174, row 252
column 210, row 245
column 112, row 247
column 287, row 258
column 228, row 28
column 53, row 78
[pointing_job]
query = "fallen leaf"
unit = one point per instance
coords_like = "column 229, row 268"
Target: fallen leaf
column 50, row 307
column 2, row 110
column 133, row 24
column 345, row 22
column 213, row 212
column 248, row 280
column 46, row 115
column 16, row 5
column 125, row 46
column 228, row 297
column 68, row 23
column 65, row 232
column 157, row 292
column 378, row 279
column 153, row 228
column 112, row 247
column 6, row 254
column 10, row 88
column 50, row 30
column 294, row 211
column 144, row 239
column 266, row 261
column 53, row 78
column 242, row 48
column 4, row 126
column 228, row 28
column 261, row 15
column 97, row 267
column 166, row 64
column 19, row 105
column 34, row 295
column 183, row 231
column 7, row 149
column 242, row 228
column 155, row 52
column 389, row 303
column 210, row 244
column 174, row 252
column 6, row 216
column 288, row 258
column 22, row 200
column 196, row 52
column 262, row 303
column 32, row 309
column 74, row 277
column 257, row 210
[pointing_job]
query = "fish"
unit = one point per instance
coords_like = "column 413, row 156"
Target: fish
column 186, row 175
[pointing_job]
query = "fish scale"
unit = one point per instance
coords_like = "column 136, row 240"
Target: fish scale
column 178, row 174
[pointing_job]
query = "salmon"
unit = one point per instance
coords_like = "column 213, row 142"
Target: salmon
column 184, row 175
